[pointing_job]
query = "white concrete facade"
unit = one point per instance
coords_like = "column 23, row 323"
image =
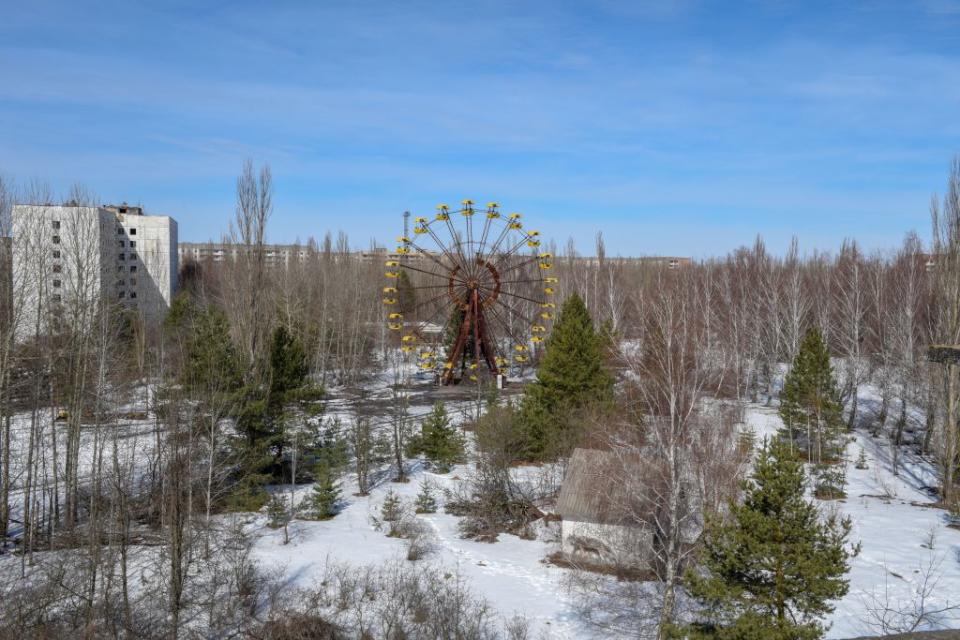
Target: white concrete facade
column 613, row 545
column 66, row 259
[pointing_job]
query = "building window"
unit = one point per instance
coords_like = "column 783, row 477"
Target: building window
column 133, row 244
column 120, row 231
column 133, row 294
column 133, row 268
column 133, row 232
column 119, row 256
column 56, row 297
column 133, row 256
column 121, row 243
column 56, row 239
column 133, row 282
column 56, row 283
column 56, row 224
column 120, row 268
column 57, row 268
column 120, row 283
column 122, row 294
column 56, row 254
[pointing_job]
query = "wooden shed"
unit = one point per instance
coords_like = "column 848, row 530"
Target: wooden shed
column 602, row 519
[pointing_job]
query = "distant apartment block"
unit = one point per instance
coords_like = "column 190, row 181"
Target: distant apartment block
column 279, row 254
column 669, row 262
column 274, row 254
column 65, row 258
column 287, row 254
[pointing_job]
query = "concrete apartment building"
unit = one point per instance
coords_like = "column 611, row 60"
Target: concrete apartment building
column 280, row 254
column 287, row 254
column 275, row 254
column 65, row 258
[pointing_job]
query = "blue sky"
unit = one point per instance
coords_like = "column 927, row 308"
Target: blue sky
column 673, row 127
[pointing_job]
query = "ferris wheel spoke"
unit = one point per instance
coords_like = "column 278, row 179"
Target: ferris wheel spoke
column 513, row 250
column 521, row 281
column 470, row 243
column 517, row 295
column 455, row 238
column 428, row 254
column 440, row 309
column 440, row 244
column 431, row 286
column 433, row 273
column 506, row 326
column 426, row 302
column 483, row 238
column 496, row 245
column 516, row 311
column 518, row 265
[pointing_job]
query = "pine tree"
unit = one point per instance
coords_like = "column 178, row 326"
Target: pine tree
column 392, row 508
column 263, row 417
column 774, row 567
column 288, row 367
column 406, row 294
column 212, row 366
column 326, row 495
column 862, row 460
column 571, row 376
column 810, row 402
column 425, row 502
column 277, row 511
column 439, row 440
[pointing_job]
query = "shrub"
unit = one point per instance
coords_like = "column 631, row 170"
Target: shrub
column 426, row 503
column 277, row 511
column 830, row 481
column 392, row 508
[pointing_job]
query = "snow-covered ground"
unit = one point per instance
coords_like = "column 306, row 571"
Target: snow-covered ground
column 509, row 573
column 900, row 532
column 891, row 517
column 894, row 521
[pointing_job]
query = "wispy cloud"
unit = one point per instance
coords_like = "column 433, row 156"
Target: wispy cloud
column 770, row 118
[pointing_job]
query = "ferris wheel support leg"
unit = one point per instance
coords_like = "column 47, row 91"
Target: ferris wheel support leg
column 488, row 354
column 475, row 305
column 458, row 346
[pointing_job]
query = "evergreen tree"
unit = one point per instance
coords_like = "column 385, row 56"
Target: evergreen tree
column 392, row 508
column 406, row 294
column 212, row 366
column 810, row 402
column 439, row 440
column 288, row 367
column 774, row 567
column 862, row 460
column 571, row 376
column 277, row 511
column 425, row 502
column 326, row 495
column 265, row 413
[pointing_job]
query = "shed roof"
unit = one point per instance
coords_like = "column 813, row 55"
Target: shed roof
column 594, row 489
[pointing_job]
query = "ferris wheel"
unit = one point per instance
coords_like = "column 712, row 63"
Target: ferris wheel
column 469, row 293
